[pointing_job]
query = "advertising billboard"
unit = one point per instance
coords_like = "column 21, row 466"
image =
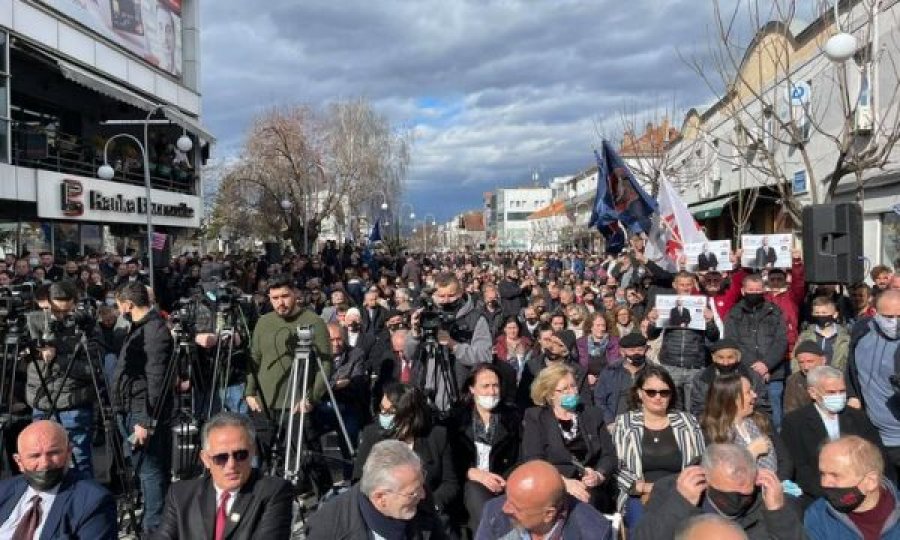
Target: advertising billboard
column 150, row 29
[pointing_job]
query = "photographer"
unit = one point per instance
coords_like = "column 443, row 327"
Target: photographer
column 140, row 395
column 59, row 385
column 462, row 331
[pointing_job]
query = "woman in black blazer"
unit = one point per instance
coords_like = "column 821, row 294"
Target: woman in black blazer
column 405, row 415
column 485, row 434
column 571, row 436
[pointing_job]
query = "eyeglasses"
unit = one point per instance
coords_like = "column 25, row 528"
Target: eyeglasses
column 653, row 393
column 417, row 494
column 220, row 460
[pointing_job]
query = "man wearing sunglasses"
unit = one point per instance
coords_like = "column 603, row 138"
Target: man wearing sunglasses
column 233, row 500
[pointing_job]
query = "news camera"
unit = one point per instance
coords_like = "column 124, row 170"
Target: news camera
column 15, row 302
column 433, row 318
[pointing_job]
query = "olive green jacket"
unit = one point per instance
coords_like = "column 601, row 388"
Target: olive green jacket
column 272, row 348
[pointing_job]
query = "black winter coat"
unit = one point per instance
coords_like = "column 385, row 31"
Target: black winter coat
column 138, row 380
column 761, row 335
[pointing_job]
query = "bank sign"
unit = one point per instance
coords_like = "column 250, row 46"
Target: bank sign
column 78, row 198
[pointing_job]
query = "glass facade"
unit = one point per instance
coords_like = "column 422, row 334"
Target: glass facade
column 890, row 240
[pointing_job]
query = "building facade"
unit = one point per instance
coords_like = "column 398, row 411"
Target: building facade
column 511, row 207
column 74, row 77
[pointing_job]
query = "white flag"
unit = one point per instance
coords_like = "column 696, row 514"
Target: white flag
column 674, row 227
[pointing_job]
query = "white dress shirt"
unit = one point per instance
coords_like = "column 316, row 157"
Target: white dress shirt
column 18, row 512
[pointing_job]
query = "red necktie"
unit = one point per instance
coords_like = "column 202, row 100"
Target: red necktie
column 404, row 371
column 26, row 528
column 220, row 516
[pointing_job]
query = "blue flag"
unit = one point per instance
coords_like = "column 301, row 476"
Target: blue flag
column 619, row 199
column 375, row 235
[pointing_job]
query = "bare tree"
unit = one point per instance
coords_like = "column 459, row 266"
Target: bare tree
column 755, row 66
column 300, row 166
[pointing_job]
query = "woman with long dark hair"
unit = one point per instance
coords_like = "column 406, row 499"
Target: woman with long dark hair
column 652, row 440
column 485, row 434
column 404, row 415
column 730, row 417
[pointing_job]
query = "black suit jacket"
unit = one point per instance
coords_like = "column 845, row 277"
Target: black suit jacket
column 707, row 261
column 262, row 509
column 372, row 325
column 542, row 439
column 679, row 316
column 340, row 519
column 803, row 433
column 437, row 461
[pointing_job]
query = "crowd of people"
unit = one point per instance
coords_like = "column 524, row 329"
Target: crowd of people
column 483, row 395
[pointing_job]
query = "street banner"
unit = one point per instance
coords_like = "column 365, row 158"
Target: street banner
column 674, row 227
column 619, row 199
column 762, row 251
column 676, row 311
column 714, row 255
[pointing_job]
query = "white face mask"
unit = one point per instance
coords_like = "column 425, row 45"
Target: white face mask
column 487, row 402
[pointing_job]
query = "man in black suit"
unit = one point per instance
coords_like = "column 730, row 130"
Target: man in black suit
column 235, row 501
column 373, row 315
column 679, row 316
column 388, row 501
column 707, row 260
column 765, row 255
column 805, row 430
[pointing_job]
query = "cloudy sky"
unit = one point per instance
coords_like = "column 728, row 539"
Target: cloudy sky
column 494, row 89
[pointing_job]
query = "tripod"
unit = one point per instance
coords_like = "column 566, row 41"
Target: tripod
column 185, row 427
column 442, row 376
column 14, row 342
column 293, row 451
column 230, row 322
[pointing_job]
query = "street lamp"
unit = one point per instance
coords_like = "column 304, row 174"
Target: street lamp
column 384, row 204
column 841, row 46
column 412, row 216
column 106, row 172
column 425, row 230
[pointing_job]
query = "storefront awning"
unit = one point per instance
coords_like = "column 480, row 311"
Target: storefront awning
column 116, row 91
column 710, row 209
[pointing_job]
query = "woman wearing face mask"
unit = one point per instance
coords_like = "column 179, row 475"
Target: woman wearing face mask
column 653, row 440
column 730, row 417
column 597, row 345
column 485, row 434
column 404, row 415
column 571, row 436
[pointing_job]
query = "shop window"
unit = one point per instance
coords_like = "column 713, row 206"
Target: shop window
column 91, row 240
column 35, row 236
column 66, row 241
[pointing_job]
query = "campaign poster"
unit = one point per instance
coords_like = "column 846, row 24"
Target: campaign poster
column 709, row 256
column 677, row 311
column 763, row 251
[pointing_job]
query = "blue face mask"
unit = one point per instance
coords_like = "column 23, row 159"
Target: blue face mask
column 570, row 402
column 386, row 421
column 834, row 403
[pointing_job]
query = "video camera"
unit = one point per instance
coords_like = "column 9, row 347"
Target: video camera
column 15, row 302
column 82, row 319
column 433, row 318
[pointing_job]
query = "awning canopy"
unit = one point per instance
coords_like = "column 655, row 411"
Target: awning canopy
column 710, row 209
column 116, row 91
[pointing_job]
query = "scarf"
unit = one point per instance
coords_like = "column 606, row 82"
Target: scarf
column 385, row 527
column 484, row 433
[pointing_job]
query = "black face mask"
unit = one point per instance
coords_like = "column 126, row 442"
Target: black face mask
column 731, row 368
column 846, row 499
column 44, row 480
column 823, row 321
column 754, row 299
column 353, row 327
column 730, row 503
column 493, row 304
column 637, row 360
column 531, row 321
column 451, row 307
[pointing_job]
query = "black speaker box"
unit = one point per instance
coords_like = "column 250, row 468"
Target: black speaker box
column 833, row 243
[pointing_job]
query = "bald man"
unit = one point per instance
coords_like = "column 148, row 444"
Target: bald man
column 706, row 526
column 536, row 503
column 872, row 371
column 48, row 500
column 859, row 501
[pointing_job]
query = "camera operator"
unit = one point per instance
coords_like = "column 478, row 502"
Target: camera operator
column 272, row 356
column 63, row 387
column 140, row 395
column 464, row 334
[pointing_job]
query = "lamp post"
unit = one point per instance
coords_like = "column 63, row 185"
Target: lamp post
column 412, row 216
column 575, row 224
column 425, row 230
column 106, row 172
column 287, row 205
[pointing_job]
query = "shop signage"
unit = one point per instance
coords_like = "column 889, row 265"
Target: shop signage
column 87, row 199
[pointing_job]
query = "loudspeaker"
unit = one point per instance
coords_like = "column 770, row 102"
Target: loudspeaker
column 832, row 243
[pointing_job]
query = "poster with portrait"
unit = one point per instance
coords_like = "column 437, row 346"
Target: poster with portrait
column 708, row 256
column 677, row 311
column 762, row 251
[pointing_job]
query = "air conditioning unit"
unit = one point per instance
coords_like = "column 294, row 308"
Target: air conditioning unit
column 863, row 120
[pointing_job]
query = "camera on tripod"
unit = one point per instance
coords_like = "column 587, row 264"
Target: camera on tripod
column 433, row 318
column 15, row 302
